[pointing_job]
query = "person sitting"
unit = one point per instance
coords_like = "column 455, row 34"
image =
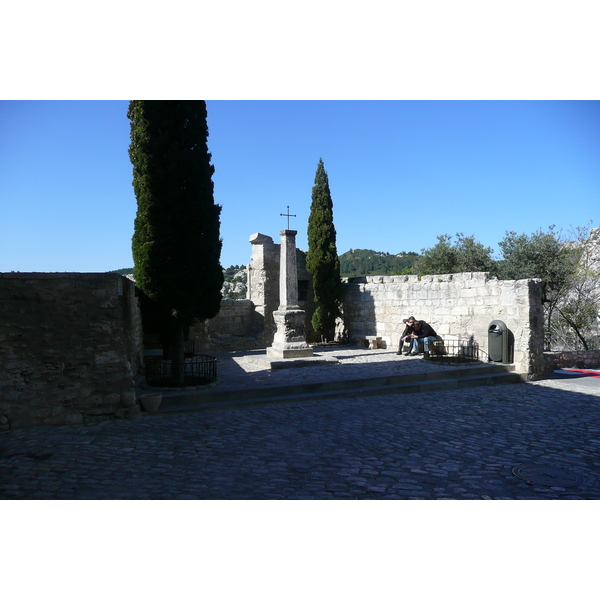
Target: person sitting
column 422, row 331
column 406, row 335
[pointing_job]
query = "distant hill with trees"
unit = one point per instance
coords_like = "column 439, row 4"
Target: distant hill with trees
column 236, row 282
column 358, row 263
column 128, row 271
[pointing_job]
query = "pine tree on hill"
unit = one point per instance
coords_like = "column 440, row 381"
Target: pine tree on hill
column 176, row 242
column 322, row 259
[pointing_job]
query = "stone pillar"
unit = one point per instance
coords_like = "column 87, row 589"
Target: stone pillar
column 290, row 337
column 263, row 285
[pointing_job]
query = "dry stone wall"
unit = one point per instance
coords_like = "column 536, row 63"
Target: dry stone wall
column 580, row 359
column 459, row 307
column 70, row 347
column 238, row 326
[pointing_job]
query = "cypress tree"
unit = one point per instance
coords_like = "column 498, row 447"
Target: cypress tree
column 176, row 242
column 322, row 259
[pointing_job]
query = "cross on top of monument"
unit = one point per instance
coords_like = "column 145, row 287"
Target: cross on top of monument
column 287, row 215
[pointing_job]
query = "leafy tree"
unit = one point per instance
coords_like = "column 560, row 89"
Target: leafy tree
column 322, row 259
column 465, row 255
column 473, row 257
column 441, row 258
column 176, row 243
column 576, row 322
column 357, row 263
column 543, row 255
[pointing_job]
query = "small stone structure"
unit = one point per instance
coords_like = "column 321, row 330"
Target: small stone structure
column 459, row 306
column 263, row 285
column 290, row 335
column 70, row 347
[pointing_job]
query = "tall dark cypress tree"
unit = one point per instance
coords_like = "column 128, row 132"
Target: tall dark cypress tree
column 322, row 259
column 176, row 242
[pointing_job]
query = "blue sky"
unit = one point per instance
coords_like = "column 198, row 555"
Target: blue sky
column 401, row 173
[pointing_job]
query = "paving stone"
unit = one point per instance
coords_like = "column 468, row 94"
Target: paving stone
column 448, row 445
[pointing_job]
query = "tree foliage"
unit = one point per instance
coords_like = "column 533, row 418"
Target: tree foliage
column 569, row 269
column 176, row 242
column 464, row 255
column 576, row 321
column 322, row 259
column 543, row 255
column 357, row 263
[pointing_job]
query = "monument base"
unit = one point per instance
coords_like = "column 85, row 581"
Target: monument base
column 270, row 362
column 289, row 340
column 290, row 350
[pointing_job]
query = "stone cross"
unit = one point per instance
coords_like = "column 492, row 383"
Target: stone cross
column 288, row 271
column 287, row 215
column 289, row 340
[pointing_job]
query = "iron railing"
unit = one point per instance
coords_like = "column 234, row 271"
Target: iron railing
column 197, row 370
column 314, row 338
column 454, row 351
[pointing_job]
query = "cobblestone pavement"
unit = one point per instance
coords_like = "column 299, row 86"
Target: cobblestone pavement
column 237, row 371
column 460, row 444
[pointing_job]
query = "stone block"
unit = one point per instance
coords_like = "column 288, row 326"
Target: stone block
column 73, row 419
column 113, row 398
column 128, row 398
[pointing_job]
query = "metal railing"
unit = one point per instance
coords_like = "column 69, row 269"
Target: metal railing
column 197, row 370
column 314, row 338
column 189, row 348
column 454, row 351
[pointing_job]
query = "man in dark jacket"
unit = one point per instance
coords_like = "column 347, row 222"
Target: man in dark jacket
column 406, row 334
column 425, row 332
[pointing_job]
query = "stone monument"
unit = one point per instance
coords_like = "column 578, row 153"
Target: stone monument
column 290, row 337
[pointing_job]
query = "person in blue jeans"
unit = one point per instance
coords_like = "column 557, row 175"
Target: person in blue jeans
column 406, row 334
column 425, row 332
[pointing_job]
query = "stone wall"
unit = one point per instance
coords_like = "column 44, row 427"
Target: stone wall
column 70, row 347
column 238, row 326
column 577, row 359
column 459, row 307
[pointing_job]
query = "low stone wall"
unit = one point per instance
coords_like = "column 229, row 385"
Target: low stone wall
column 70, row 347
column 458, row 306
column 574, row 359
column 238, row 326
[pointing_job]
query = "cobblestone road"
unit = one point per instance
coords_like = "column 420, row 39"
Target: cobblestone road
column 455, row 444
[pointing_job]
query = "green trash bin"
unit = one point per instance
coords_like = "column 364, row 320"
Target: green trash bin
column 498, row 350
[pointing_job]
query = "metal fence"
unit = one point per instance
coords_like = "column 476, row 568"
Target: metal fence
column 314, row 338
column 189, row 348
column 197, row 370
column 454, row 351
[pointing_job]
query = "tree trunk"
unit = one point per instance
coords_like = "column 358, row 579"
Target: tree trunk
column 575, row 329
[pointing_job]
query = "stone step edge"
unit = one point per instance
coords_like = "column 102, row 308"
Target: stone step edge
column 405, row 388
column 194, row 397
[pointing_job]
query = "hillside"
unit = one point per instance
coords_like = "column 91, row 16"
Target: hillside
column 357, row 263
column 236, row 282
column 354, row 263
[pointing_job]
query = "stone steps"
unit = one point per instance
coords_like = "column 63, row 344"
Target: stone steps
column 434, row 381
